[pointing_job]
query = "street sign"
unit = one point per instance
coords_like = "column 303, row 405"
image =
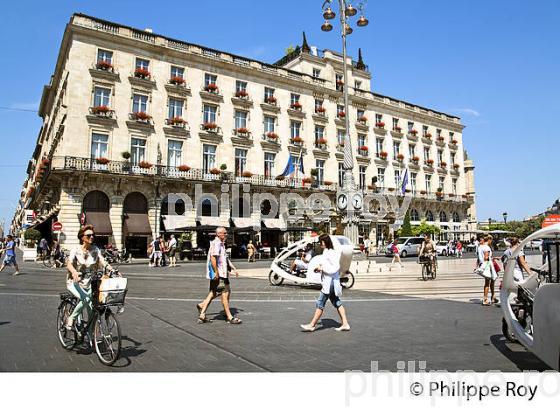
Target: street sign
column 551, row 220
column 57, row 226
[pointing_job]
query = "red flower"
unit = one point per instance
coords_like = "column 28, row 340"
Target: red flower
column 307, row 180
column 144, row 164
column 397, row 129
column 141, row 73
column 176, row 120
column 272, row 135
column 297, row 139
column 177, row 80
column 271, row 99
column 296, row 105
column 141, row 116
column 211, row 88
column 430, row 161
column 383, row 154
column 380, row 124
column 322, row 141
column 320, row 109
column 363, row 118
column 103, row 65
column 102, row 160
column 341, row 114
column 456, row 166
column 100, row 109
column 363, row 148
column 242, row 130
column 400, row 157
column 443, row 164
column 247, row 174
column 210, row 126
column 413, row 132
column 416, row 159
column 327, row 183
column 183, row 168
column 215, row 171
column 454, row 142
column 241, row 94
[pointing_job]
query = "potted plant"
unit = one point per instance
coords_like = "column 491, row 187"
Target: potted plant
column 126, row 157
column 241, row 94
column 415, row 158
column 443, row 164
column 183, row 168
column 380, row 124
column 440, row 138
column 400, row 157
column 102, row 160
column 177, row 80
column 327, row 183
column 430, row 162
column 211, row 88
column 145, row 165
column 307, row 180
column 423, row 192
column 271, row 99
column 456, row 166
column 242, row 130
column 215, row 171
column 45, row 162
column 322, row 141
column 141, row 73
column 454, row 142
column 104, row 65
column 100, row 110
column 272, row 135
column 297, row 140
column 280, row 177
column 397, row 129
column 383, row 154
column 320, row 110
column 209, row 126
column 413, row 132
column 363, row 148
column 141, row 116
column 176, row 121
column 296, row 105
column 341, row 114
column 428, row 135
column 31, row 237
column 363, row 119
column 247, row 174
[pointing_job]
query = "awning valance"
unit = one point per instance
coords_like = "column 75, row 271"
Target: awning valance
column 137, row 224
column 101, row 222
column 177, row 222
column 246, row 223
column 274, row 223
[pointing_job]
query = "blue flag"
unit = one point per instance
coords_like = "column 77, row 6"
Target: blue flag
column 404, row 182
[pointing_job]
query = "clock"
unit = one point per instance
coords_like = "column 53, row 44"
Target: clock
column 342, row 201
column 357, row 201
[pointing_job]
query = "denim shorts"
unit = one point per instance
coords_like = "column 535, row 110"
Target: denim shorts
column 322, row 299
column 10, row 260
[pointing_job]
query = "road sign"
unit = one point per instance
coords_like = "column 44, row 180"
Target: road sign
column 551, row 220
column 57, row 226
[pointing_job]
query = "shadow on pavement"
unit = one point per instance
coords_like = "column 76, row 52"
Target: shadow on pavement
column 4, row 323
column 523, row 359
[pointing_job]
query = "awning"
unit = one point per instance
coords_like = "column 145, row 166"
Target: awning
column 177, row 222
column 209, row 222
column 137, row 224
column 242, row 223
column 101, row 222
column 274, row 223
column 42, row 218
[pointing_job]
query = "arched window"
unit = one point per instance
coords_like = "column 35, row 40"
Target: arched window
column 414, row 216
column 442, row 216
column 135, row 203
column 266, row 209
column 96, row 201
column 206, row 207
column 429, row 216
column 174, row 208
column 456, row 217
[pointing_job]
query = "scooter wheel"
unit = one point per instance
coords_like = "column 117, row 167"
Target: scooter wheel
column 275, row 279
column 347, row 281
column 506, row 332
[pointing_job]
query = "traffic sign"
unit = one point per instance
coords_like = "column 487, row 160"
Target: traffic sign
column 57, row 226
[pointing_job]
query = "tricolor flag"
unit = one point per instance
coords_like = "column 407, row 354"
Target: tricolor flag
column 291, row 171
column 404, row 181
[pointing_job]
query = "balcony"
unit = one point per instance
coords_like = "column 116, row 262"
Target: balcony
column 270, row 141
column 363, row 151
column 379, row 129
column 104, row 71
column 140, row 121
column 102, row 115
column 210, row 132
column 296, row 110
column 362, row 124
column 142, row 78
column 73, row 164
column 242, row 99
column 242, row 137
column 211, row 92
column 177, row 127
column 396, row 133
column 178, row 86
column 270, row 105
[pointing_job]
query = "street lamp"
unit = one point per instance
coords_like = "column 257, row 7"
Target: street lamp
column 349, row 198
column 505, row 215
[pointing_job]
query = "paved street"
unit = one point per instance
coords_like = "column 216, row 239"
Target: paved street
column 394, row 316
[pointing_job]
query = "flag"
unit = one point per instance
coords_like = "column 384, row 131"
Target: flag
column 83, row 219
column 404, row 181
column 290, row 171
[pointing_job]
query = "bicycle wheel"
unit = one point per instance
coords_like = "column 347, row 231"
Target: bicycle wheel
column 48, row 261
column 67, row 338
column 424, row 271
column 107, row 338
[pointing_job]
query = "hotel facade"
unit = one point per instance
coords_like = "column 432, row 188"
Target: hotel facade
column 130, row 117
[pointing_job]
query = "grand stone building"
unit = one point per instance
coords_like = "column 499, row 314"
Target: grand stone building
column 130, row 117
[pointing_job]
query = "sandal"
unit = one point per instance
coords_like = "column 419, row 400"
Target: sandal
column 486, row 303
column 203, row 319
column 495, row 300
column 199, row 309
column 234, row 321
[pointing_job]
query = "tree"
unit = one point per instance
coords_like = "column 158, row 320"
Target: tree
column 425, row 228
column 290, row 49
column 406, row 228
column 32, row 235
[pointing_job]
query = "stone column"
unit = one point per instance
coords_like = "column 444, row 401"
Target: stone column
column 69, row 216
column 116, row 214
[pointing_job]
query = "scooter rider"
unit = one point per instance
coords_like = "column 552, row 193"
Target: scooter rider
column 302, row 261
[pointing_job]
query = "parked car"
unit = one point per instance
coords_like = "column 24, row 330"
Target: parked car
column 534, row 244
column 442, row 248
column 408, row 246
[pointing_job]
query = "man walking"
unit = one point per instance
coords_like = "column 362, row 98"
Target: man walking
column 217, row 273
column 10, row 257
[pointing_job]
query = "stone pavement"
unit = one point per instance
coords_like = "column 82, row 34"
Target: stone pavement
column 161, row 333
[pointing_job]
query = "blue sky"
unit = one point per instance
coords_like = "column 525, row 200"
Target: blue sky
column 496, row 64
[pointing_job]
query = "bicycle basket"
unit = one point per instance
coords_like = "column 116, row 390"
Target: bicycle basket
column 424, row 259
column 112, row 291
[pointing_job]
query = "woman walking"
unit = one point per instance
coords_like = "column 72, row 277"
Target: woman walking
column 490, row 276
column 396, row 255
column 331, row 288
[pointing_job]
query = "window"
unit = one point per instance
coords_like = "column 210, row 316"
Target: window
column 175, row 108
column 378, row 118
column 357, row 84
column 101, row 97
column 396, row 149
column 240, row 161
column 339, row 109
column 397, row 178
column 438, row 132
column 426, row 153
column 178, row 72
column 209, row 115
column 428, row 183
column 143, row 64
column 413, row 178
column 362, row 177
column 208, row 157
column 414, row 216
column 340, row 134
column 316, row 73
column 360, row 113
column 240, row 119
column 137, row 150
column 210, row 79
column 454, row 186
column 442, row 216
column 174, row 153
column 268, row 92
column 381, row 177
column 269, row 159
column 320, row 166
column 441, row 182
column 378, row 146
column 439, row 157
column 339, row 82
column 104, row 55
column 429, row 216
column 340, row 174
column 99, row 145
column 295, row 127
column 412, row 150
column 424, row 130
column 452, row 158
column 410, row 126
column 451, row 136
column 294, row 98
column 318, row 105
column 362, row 140
column 240, row 86
column 395, row 124
column 269, row 124
column 139, row 103
column 319, row 133
column 456, row 217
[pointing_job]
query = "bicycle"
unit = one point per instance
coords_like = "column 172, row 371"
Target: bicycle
column 429, row 268
column 102, row 322
column 52, row 261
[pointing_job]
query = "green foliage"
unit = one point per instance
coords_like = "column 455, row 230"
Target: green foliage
column 223, row 167
column 32, row 234
column 425, row 228
column 406, row 228
column 290, row 49
column 185, row 237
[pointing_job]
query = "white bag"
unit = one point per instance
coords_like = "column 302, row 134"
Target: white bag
column 112, row 290
column 484, row 270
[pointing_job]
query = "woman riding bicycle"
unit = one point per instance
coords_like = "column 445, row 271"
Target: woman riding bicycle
column 83, row 262
column 428, row 251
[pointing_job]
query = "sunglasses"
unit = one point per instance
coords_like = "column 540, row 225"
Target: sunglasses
column 89, row 235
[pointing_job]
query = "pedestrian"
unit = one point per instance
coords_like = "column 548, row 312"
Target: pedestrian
column 330, row 286
column 43, row 248
column 484, row 256
column 459, row 249
column 10, row 255
column 217, row 273
column 520, row 261
column 163, row 249
column 367, row 244
column 251, row 251
column 396, row 255
column 172, row 246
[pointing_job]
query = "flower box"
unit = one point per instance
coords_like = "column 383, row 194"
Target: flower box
column 176, row 121
column 380, row 124
column 271, row 100
column 390, row 189
column 145, row 164
column 416, row 159
column 280, row 178
column 297, row 140
column 362, row 119
column 400, row 157
column 242, row 131
column 370, row 187
column 383, row 154
column 439, row 194
column 104, row 65
column 272, row 135
column 307, row 180
column 451, row 195
column 141, row 116
column 397, row 129
column 341, row 114
column 454, row 142
column 102, row 160
column 247, row 174
column 456, row 166
column 430, row 162
column 443, row 164
column 322, row 141
column 423, row 192
column 210, row 126
column 141, row 73
column 183, row 168
column 296, row 106
column 241, row 94
column 215, row 171
column 413, row 132
column 440, row 139
column 177, row 80
column 327, row 183
column 363, row 148
column 320, row 110
column 100, row 109
column 428, row 135
column 211, row 88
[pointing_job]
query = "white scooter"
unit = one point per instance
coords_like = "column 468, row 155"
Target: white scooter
column 281, row 270
column 531, row 307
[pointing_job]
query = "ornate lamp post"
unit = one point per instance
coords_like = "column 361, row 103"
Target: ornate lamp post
column 349, row 198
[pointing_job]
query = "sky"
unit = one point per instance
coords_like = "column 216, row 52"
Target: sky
column 496, row 64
